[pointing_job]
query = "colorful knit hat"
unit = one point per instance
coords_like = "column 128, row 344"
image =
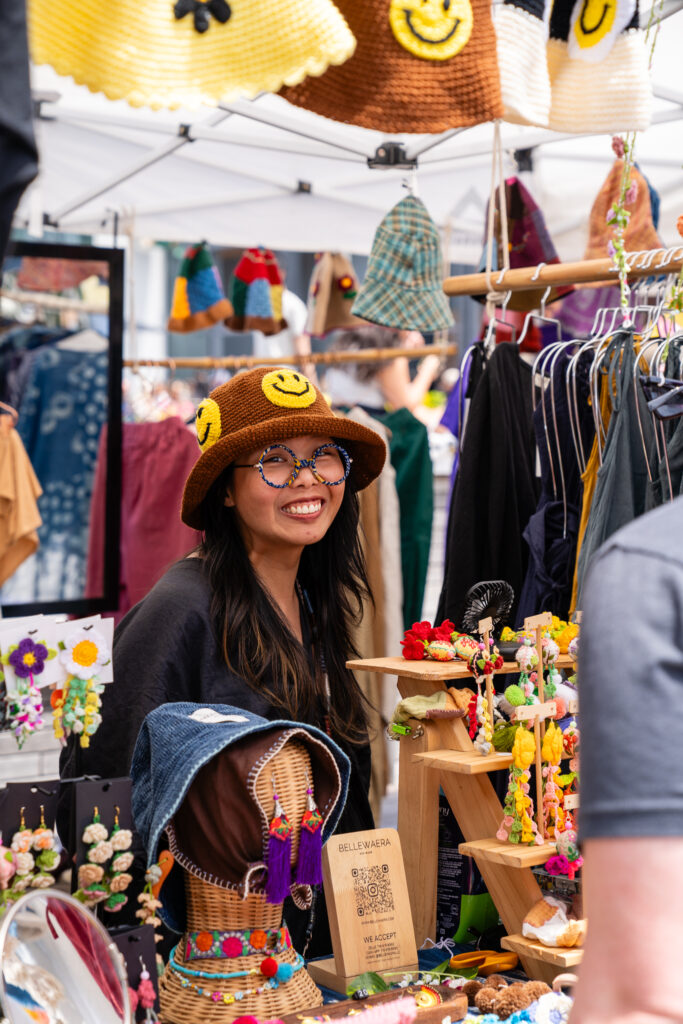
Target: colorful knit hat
column 331, row 292
column 419, row 66
column 198, row 299
column 263, row 406
column 183, row 53
column 256, row 291
column 598, row 65
column 522, row 36
column 403, row 287
column 640, row 231
column 529, row 243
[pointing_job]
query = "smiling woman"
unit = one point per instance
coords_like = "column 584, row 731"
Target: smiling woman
column 260, row 616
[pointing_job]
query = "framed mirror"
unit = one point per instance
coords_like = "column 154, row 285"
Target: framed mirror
column 59, row 965
column 61, row 326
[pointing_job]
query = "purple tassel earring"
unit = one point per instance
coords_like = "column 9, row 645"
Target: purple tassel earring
column 279, row 854
column 309, row 868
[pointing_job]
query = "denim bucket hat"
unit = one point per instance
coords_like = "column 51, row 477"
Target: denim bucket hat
column 403, row 287
column 177, row 741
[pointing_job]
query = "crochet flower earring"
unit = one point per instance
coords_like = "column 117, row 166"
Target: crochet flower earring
column 91, row 889
column 47, row 858
column 146, row 994
column 118, row 878
column 279, row 854
column 309, row 870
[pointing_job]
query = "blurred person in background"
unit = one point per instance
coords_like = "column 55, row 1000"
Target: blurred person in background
column 378, row 385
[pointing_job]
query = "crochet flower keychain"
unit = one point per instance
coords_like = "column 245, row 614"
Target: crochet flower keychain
column 518, row 825
column 76, row 707
column 553, row 814
column 24, row 703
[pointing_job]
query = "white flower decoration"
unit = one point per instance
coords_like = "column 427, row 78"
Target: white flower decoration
column 42, row 881
column 95, row 833
column 85, row 653
column 21, row 883
column 21, row 841
column 24, row 863
column 100, row 853
column 121, row 839
column 122, row 862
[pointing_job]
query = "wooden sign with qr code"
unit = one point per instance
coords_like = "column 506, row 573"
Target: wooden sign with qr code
column 367, row 903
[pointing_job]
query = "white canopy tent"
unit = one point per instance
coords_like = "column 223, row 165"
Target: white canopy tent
column 265, row 172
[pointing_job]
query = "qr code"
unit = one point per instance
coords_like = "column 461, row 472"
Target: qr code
column 372, row 889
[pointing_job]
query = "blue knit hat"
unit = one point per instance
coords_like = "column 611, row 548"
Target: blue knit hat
column 177, row 740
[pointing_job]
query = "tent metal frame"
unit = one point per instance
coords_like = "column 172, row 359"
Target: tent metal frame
column 321, row 144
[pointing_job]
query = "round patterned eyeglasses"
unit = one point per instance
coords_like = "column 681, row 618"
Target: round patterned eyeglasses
column 279, row 466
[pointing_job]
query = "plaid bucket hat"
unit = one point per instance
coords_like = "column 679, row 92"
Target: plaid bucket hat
column 176, row 743
column 263, row 406
column 403, row 286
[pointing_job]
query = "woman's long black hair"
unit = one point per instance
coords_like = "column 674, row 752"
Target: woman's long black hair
column 256, row 642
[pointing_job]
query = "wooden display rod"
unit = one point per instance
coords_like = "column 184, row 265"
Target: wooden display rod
column 463, row 762
column 557, row 275
column 513, row 855
column 436, row 670
column 372, row 355
column 559, row 956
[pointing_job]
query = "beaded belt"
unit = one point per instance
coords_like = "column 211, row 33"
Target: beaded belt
column 217, row 945
column 271, row 974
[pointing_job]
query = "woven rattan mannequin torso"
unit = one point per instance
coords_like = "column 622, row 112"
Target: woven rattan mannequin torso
column 212, row 907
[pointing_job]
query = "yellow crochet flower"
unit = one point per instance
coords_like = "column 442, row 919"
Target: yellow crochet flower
column 552, row 744
column 523, row 748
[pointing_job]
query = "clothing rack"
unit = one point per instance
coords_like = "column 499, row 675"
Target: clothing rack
column 52, row 302
column 646, row 263
column 373, row 355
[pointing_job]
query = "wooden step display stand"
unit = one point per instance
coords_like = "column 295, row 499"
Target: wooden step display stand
column 440, row 753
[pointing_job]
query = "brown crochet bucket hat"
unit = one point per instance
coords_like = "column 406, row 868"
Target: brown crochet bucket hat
column 266, row 405
column 419, row 66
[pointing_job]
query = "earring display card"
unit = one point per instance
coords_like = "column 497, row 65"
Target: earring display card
column 368, row 907
column 30, row 796
column 106, row 795
column 137, row 947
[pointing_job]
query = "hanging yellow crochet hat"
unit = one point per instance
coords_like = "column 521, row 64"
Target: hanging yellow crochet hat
column 182, row 53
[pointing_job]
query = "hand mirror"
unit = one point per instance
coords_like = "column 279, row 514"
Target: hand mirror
column 59, row 965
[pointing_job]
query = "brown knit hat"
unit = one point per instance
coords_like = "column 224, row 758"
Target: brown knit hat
column 262, row 406
column 640, row 232
column 419, row 66
column 331, row 292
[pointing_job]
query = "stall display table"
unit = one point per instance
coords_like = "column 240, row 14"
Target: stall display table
column 440, row 753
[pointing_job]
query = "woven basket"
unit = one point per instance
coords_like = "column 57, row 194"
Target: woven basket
column 211, row 907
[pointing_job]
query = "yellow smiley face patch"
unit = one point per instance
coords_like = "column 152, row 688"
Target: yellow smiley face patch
column 595, row 26
column 431, row 29
column 289, row 389
column 208, row 423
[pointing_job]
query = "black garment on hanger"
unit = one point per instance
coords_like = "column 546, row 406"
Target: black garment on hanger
column 551, row 539
column 18, row 154
column 495, row 491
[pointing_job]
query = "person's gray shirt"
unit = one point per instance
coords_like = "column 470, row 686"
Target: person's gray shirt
column 631, row 681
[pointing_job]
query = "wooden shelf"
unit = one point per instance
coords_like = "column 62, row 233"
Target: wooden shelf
column 548, row 954
column 513, row 855
column 463, row 762
column 436, row 670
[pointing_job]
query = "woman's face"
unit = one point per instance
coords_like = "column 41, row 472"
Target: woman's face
column 277, row 519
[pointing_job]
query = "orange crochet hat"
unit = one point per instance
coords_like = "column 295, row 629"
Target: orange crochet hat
column 260, row 407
